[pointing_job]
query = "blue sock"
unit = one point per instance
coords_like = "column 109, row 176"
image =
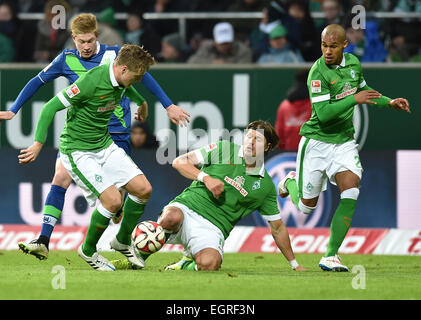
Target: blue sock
column 52, row 211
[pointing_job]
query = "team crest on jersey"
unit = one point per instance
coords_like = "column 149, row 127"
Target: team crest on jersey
column 240, row 180
column 316, row 86
column 352, row 72
column 73, row 91
column 256, row 185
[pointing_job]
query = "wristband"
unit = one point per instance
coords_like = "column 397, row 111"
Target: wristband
column 201, row 175
column 293, row 263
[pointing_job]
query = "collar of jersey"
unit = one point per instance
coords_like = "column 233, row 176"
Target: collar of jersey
column 258, row 171
column 112, row 76
column 342, row 64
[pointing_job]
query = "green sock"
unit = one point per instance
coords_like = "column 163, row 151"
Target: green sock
column 132, row 211
column 341, row 222
column 292, row 187
column 190, row 266
column 96, row 228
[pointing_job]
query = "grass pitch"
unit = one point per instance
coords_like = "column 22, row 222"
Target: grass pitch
column 243, row 276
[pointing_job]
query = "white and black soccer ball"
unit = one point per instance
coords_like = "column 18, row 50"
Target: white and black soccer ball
column 148, row 236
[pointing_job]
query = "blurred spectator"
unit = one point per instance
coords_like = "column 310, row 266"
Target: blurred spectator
column 365, row 44
column 139, row 33
column 274, row 14
column 172, row 49
column 223, row 49
column 11, row 32
column 243, row 27
column 164, row 27
column 7, row 51
column 280, row 51
column 141, row 136
column 406, row 33
column 333, row 14
column 310, row 39
column 107, row 29
column 293, row 112
column 50, row 40
column 94, row 5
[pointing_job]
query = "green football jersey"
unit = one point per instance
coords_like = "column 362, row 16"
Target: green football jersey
column 244, row 191
column 331, row 90
column 91, row 101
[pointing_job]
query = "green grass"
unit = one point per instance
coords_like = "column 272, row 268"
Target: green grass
column 243, row 276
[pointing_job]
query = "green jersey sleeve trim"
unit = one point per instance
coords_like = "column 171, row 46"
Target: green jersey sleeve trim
column 46, row 117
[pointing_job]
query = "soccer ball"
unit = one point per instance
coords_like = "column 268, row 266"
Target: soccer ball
column 148, row 237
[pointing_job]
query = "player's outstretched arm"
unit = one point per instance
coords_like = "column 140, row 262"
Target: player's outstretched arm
column 45, row 119
column 176, row 114
column 26, row 93
column 280, row 235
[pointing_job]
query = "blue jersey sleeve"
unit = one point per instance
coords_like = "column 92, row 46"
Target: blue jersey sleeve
column 53, row 70
column 27, row 92
column 155, row 88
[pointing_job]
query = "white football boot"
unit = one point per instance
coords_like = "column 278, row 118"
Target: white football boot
column 129, row 251
column 97, row 261
column 282, row 188
column 332, row 263
column 36, row 248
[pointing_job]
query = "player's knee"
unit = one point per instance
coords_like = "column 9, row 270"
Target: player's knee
column 305, row 206
column 208, row 264
column 172, row 219
column 144, row 191
column 112, row 202
column 209, row 260
column 62, row 179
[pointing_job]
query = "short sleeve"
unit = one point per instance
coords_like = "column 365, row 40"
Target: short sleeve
column 214, row 153
column 53, row 70
column 269, row 209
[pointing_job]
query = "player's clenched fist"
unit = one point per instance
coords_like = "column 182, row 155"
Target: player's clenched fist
column 30, row 154
column 365, row 96
column 215, row 186
column 400, row 104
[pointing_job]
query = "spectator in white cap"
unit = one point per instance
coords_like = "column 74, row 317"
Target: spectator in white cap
column 223, row 48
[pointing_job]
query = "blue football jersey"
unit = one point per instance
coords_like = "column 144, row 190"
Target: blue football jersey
column 71, row 65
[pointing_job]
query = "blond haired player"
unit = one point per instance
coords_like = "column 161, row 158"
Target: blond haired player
column 72, row 64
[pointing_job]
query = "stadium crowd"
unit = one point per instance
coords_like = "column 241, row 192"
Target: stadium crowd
column 287, row 33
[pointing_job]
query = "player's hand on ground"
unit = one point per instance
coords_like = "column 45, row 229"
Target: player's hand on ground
column 30, row 154
column 300, row 268
column 365, row 96
column 178, row 115
column 142, row 112
column 6, row 115
column 400, row 104
column 215, row 186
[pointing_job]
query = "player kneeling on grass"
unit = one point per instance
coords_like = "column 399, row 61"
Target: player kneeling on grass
column 231, row 184
column 91, row 157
